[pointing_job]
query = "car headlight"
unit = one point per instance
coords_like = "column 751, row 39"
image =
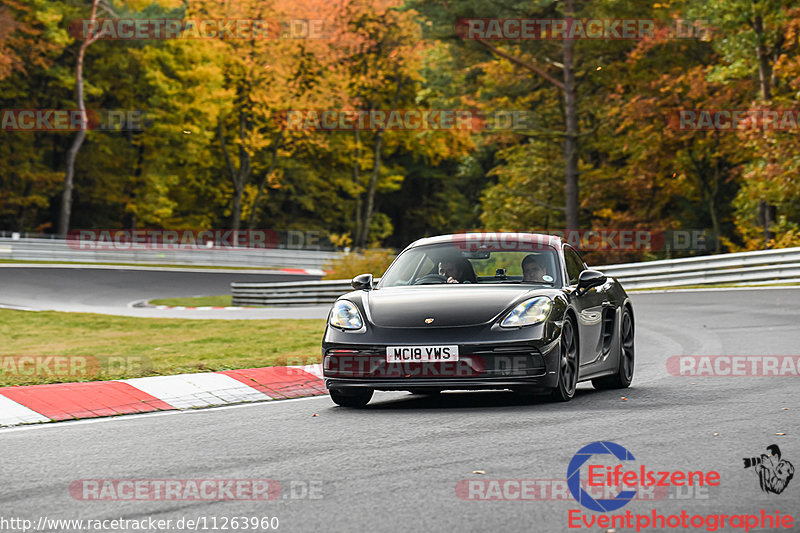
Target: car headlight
column 345, row 315
column 528, row 312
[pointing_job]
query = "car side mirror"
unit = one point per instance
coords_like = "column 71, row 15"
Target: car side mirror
column 362, row 282
column 589, row 279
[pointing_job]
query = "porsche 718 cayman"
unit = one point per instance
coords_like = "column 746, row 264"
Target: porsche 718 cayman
column 474, row 311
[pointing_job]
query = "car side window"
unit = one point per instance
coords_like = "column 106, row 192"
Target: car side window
column 574, row 265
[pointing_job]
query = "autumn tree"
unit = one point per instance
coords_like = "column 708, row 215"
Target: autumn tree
column 31, row 43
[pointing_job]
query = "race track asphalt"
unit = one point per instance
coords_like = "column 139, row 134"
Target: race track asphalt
column 91, row 289
column 395, row 465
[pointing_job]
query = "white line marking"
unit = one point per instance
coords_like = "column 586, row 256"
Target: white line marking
column 142, row 304
column 16, row 307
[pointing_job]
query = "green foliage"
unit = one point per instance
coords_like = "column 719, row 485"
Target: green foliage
column 215, row 152
column 350, row 265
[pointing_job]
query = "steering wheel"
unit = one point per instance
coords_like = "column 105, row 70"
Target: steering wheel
column 430, row 278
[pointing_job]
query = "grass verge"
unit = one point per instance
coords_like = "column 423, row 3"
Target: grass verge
column 110, row 347
column 224, row 300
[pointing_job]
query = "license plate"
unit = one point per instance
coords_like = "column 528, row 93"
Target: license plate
column 421, row 354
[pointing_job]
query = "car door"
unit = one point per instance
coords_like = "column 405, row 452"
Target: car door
column 589, row 309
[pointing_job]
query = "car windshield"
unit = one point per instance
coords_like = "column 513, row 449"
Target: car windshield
column 447, row 264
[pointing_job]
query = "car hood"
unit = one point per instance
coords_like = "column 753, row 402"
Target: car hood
column 463, row 305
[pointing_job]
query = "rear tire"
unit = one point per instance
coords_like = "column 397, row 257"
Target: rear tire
column 569, row 363
column 622, row 379
column 351, row 397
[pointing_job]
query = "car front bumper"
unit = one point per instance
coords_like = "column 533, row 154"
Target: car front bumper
column 523, row 366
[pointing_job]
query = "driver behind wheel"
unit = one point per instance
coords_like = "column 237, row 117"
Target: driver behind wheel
column 533, row 269
column 457, row 270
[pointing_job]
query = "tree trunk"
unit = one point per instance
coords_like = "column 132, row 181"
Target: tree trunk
column 708, row 187
column 764, row 70
column 242, row 175
column 72, row 153
column 764, row 79
column 236, row 216
column 136, row 183
column 66, row 195
column 272, row 166
column 244, row 172
column 712, row 208
column 356, row 166
column 571, row 133
column 373, row 185
column 376, row 172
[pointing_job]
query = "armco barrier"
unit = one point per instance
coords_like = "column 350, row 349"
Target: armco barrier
column 288, row 293
column 743, row 267
column 746, row 267
column 60, row 250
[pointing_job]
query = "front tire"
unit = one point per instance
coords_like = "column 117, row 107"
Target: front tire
column 622, row 379
column 569, row 364
column 351, row 397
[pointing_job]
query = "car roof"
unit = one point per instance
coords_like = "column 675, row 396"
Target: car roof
column 550, row 240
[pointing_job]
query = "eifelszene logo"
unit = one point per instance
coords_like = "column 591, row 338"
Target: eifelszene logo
column 574, row 476
column 603, row 465
column 603, row 475
column 774, row 473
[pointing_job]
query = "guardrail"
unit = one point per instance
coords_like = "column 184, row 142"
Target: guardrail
column 745, row 267
column 742, row 267
column 289, row 293
column 70, row 251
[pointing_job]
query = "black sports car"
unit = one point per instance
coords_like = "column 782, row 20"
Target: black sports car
column 517, row 311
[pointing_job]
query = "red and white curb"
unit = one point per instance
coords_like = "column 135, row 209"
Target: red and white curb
column 306, row 271
column 71, row 401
